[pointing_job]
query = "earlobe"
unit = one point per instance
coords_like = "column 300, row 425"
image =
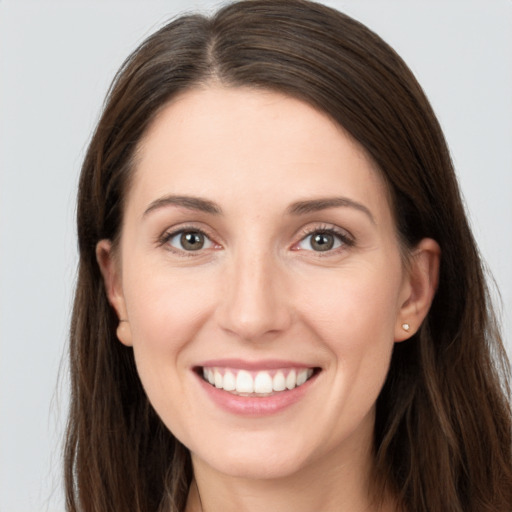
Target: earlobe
column 110, row 271
column 419, row 288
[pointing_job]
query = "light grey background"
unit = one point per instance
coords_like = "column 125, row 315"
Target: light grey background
column 56, row 62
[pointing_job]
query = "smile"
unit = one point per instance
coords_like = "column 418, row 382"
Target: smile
column 256, row 383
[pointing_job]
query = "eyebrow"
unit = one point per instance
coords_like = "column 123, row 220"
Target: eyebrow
column 324, row 203
column 189, row 202
column 297, row 208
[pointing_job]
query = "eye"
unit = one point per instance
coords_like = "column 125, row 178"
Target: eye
column 189, row 240
column 323, row 240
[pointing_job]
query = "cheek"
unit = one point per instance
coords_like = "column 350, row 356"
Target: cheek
column 355, row 320
column 353, row 305
column 166, row 311
column 354, row 316
column 166, row 308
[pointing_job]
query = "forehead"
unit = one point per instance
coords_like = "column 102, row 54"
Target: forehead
column 234, row 144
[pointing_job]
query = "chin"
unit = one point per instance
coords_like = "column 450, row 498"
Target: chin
column 261, row 471
column 256, row 464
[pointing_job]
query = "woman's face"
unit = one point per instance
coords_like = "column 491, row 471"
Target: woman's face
column 258, row 251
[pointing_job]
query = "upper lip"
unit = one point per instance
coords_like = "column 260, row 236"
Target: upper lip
column 264, row 364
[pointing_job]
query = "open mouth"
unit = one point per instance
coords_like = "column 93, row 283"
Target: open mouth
column 256, row 383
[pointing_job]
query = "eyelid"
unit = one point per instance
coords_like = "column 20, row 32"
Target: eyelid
column 170, row 233
column 346, row 238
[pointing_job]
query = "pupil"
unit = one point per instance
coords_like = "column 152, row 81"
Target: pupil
column 322, row 242
column 192, row 241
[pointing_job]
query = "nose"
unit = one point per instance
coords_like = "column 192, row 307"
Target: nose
column 256, row 305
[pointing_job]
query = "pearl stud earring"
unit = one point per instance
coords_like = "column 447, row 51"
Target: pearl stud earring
column 406, row 327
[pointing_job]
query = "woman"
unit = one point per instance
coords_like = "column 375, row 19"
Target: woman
column 280, row 303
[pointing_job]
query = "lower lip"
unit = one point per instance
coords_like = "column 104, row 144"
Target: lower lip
column 255, row 406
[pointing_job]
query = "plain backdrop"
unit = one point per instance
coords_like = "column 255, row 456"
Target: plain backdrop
column 56, row 62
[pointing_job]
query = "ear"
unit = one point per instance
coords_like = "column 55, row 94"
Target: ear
column 419, row 288
column 111, row 272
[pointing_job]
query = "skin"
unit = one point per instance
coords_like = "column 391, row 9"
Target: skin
column 259, row 290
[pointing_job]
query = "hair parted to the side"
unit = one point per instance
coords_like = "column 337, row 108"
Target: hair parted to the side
column 443, row 429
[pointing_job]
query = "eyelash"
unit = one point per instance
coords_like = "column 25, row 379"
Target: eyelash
column 342, row 236
column 168, row 236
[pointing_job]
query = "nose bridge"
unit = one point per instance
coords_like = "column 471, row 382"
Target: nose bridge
column 255, row 303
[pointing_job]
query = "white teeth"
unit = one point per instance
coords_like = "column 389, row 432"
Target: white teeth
column 210, row 376
column 262, row 383
column 217, row 378
column 244, row 382
column 279, row 382
column 229, row 381
column 291, row 380
column 301, row 377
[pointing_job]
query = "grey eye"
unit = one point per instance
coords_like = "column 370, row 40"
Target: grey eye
column 320, row 241
column 190, row 241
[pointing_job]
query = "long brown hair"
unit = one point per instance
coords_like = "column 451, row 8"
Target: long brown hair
column 443, row 429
